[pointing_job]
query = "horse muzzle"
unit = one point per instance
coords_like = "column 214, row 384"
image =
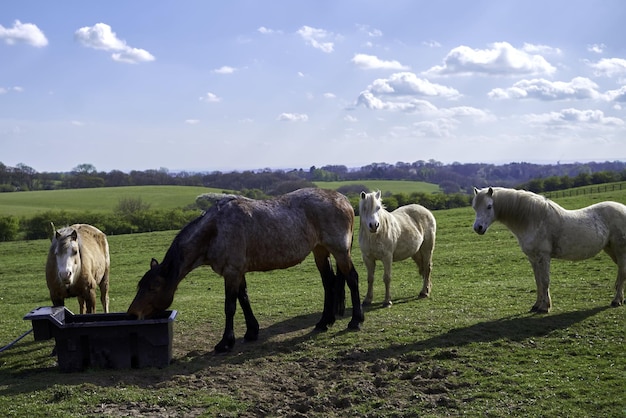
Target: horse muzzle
column 373, row 227
column 479, row 229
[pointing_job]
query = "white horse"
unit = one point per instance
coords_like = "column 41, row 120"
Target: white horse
column 408, row 231
column 545, row 230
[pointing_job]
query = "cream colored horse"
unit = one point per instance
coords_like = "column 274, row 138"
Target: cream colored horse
column 408, row 231
column 545, row 230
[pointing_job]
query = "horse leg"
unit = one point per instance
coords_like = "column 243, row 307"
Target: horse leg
column 322, row 261
column 252, row 325
column 345, row 268
column 104, row 292
column 231, row 284
column 425, row 266
column 387, row 262
column 370, row 265
column 541, row 269
column 81, row 305
column 618, row 300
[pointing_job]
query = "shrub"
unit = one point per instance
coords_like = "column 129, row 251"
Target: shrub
column 9, row 227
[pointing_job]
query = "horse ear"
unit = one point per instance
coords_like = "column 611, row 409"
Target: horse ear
column 362, row 195
column 475, row 191
column 74, row 235
column 153, row 263
column 490, row 192
column 54, row 231
column 377, row 194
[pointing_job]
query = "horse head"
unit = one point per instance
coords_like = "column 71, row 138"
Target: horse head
column 483, row 206
column 154, row 295
column 369, row 208
column 67, row 254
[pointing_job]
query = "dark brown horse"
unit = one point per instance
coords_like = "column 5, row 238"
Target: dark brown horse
column 238, row 235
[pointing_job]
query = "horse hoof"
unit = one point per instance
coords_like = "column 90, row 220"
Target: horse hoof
column 354, row 325
column 224, row 347
column 321, row 327
column 366, row 303
column 387, row 304
column 251, row 336
column 422, row 295
column 538, row 310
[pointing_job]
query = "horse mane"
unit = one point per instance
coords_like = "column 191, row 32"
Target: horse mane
column 190, row 233
column 519, row 207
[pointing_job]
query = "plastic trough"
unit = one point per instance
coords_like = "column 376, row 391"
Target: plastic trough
column 111, row 340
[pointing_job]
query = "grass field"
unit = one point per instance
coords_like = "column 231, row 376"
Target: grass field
column 471, row 349
column 392, row 186
column 103, row 199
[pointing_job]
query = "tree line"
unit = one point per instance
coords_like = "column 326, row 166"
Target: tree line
column 451, row 178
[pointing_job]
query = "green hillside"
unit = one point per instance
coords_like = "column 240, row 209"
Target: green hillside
column 103, row 199
column 392, row 186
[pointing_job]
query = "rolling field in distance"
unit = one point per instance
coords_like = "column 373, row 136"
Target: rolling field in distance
column 105, row 199
column 102, row 199
column 392, row 186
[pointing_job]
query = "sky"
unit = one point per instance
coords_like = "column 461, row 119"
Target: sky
column 207, row 86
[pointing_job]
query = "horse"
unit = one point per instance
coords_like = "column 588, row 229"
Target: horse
column 545, row 230
column 78, row 262
column 239, row 235
column 408, row 231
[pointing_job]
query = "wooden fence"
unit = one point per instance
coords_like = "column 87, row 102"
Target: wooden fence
column 600, row 188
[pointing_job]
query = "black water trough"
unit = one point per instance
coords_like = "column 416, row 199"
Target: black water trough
column 106, row 340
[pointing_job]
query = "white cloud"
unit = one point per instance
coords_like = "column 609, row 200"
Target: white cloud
column 27, row 33
column 100, row 36
column 372, row 62
column 316, row 37
column 132, row 56
column 438, row 128
column 329, row 95
column 210, row 98
column 350, row 118
column 597, row 48
column 372, row 33
column 292, row 117
column 540, row 49
column 500, row 59
column 373, row 102
column 5, row 90
column 77, row 123
column 268, row 31
column 225, row 70
column 192, row 121
column 579, row 88
column 408, row 84
column 431, row 44
column 574, row 116
column 609, row 67
column 618, row 95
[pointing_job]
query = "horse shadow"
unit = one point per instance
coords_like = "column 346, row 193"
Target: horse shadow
column 514, row 328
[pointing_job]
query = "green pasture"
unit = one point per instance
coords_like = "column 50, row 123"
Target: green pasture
column 103, row 199
column 391, row 186
column 471, row 349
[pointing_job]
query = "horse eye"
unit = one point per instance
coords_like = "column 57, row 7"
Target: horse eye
column 489, row 207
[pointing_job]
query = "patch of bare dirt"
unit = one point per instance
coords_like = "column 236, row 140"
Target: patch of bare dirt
column 279, row 378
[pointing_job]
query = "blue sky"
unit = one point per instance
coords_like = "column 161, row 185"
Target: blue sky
column 236, row 85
